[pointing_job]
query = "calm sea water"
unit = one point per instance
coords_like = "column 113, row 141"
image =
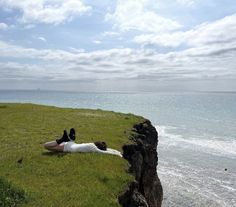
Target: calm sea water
column 197, row 138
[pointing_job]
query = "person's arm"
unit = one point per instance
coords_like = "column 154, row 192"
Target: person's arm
column 109, row 151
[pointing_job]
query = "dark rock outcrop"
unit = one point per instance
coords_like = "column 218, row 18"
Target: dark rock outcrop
column 146, row 189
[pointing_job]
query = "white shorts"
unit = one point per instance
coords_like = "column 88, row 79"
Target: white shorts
column 68, row 146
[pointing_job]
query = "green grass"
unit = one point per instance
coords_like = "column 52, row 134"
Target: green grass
column 51, row 179
column 9, row 195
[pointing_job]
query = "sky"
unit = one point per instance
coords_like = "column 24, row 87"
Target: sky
column 118, row 45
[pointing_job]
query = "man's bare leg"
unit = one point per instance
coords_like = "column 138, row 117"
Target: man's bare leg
column 53, row 146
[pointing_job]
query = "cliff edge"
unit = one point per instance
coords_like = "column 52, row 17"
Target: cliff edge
column 146, row 190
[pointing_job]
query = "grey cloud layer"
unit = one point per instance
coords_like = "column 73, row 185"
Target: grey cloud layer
column 203, row 62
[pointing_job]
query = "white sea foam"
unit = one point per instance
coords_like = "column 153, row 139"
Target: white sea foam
column 229, row 188
column 186, row 189
column 213, row 145
column 188, row 186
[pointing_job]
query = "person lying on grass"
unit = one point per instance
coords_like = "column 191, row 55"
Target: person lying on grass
column 66, row 144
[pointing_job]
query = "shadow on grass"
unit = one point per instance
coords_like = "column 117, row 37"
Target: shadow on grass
column 3, row 106
column 58, row 154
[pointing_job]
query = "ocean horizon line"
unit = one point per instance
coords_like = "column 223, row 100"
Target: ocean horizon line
column 118, row 92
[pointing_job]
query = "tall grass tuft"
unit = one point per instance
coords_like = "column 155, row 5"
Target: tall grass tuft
column 10, row 196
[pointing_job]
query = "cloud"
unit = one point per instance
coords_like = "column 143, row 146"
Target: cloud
column 110, row 34
column 29, row 26
column 186, row 2
column 16, row 51
column 47, row 11
column 117, row 64
column 42, row 39
column 3, row 26
column 97, row 42
column 206, row 52
column 76, row 50
column 165, row 40
column 19, row 71
column 219, row 33
column 135, row 15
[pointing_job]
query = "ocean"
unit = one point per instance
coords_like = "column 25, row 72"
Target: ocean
column 197, row 137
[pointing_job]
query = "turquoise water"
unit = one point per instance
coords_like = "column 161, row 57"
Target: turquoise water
column 197, row 138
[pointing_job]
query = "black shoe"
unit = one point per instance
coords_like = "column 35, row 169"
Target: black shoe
column 72, row 134
column 64, row 138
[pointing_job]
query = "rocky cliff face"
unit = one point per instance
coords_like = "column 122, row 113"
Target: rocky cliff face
column 146, row 189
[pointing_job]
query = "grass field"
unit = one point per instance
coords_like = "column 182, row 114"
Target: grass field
column 51, row 179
